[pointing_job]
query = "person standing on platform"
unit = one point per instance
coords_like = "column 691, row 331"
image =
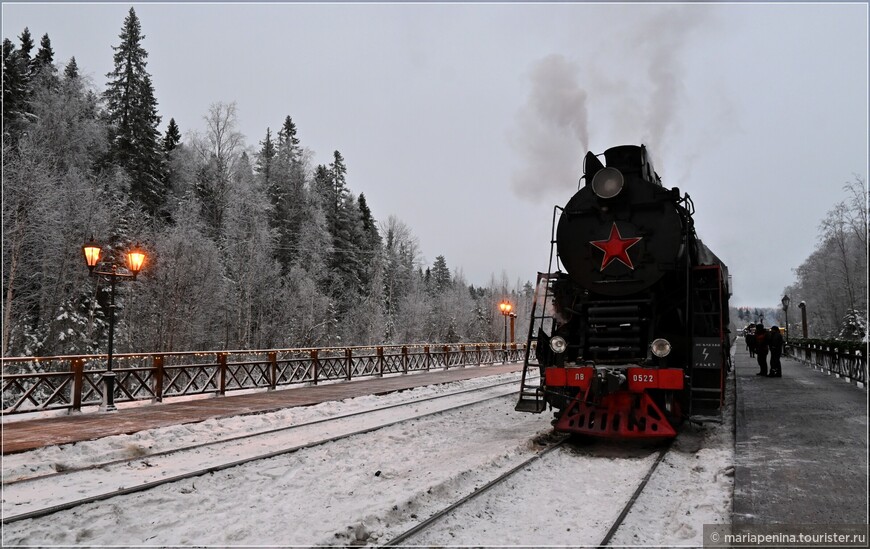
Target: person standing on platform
column 761, row 348
column 775, row 343
column 750, row 340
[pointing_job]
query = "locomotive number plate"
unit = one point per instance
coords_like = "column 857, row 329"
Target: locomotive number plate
column 641, row 379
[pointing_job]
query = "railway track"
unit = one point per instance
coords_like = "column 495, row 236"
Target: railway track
column 511, row 473
column 26, row 498
column 407, row 534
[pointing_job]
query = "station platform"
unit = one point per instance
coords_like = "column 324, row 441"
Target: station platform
column 801, row 446
column 20, row 436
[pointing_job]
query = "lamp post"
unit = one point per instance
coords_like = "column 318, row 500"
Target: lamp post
column 803, row 307
column 505, row 307
column 785, row 301
column 135, row 260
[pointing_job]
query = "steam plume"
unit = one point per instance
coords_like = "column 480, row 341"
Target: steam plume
column 551, row 135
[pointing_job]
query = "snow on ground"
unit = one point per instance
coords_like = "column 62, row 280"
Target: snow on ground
column 66, row 456
column 368, row 488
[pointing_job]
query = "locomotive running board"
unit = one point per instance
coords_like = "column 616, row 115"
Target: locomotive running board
column 617, row 416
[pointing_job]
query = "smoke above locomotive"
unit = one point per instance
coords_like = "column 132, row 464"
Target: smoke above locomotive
column 631, row 338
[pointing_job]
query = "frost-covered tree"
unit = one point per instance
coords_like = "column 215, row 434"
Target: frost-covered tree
column 53, row 199
column 833, row 280
column 853, row 326
column 218, row 151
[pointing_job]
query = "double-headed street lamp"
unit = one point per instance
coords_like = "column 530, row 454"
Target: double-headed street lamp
column 135, row 260
column 505, row 307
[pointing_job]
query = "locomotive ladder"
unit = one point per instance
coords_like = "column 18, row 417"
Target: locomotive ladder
column 707, row 370
column 532, row 395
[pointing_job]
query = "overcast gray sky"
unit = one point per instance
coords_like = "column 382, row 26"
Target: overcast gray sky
column 469, row 121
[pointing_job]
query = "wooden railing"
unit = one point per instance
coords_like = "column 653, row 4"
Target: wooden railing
column 70, row 382
column 843, row 362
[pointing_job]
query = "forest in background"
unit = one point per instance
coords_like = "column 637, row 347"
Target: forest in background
column 247, row 247
column 832, row 281
column 251, row 246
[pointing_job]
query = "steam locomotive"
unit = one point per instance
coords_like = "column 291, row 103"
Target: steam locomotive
column 630, row 339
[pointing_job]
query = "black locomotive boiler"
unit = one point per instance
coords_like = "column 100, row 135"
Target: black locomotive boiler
column 629, row 332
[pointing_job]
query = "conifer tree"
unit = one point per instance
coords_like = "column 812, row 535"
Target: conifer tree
column 288, row 140
column 286, row 190
column 25, row 69
column 13, row 86
column 132, row 114
column 24, row 52
column 44, row 56
column 440, row 276
column 172, row 137
column 72, row 69
column 265, row 157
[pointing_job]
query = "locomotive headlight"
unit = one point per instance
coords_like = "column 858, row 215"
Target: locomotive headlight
column 661, row 347
column 558, row 344
column 607, row 182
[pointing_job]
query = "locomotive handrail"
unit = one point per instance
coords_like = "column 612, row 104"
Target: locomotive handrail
column 32, row 384
column 850, row 364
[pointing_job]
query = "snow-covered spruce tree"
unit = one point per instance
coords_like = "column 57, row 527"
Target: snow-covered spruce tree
column 854, row 326
column 43, row 62
column 286, row 187
column 15, row 87
column 131, row 111
column 342, row 279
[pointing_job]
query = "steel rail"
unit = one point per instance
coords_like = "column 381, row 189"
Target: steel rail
column 99, row 465
column 494, row 482
column 634, row 496
column 214, row 468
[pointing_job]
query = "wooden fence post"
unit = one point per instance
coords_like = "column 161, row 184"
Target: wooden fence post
column 380, row 362
column 78, row 369
column 157, row 387
column 464, row 356
column 446, row 357
column 348, row 356
column 428, row 357
column 315, row 365
column 404, row 359
column 222, row 376
column 273, row 370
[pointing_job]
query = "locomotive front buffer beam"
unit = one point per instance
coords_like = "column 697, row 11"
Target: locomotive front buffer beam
column 615, row 403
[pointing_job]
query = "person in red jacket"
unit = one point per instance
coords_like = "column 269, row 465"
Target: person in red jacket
column 761, row 348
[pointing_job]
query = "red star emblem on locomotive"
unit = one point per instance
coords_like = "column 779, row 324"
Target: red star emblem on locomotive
column 616, row 248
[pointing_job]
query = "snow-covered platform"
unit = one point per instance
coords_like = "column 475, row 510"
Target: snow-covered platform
column 19, row 436
column 801, row 447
